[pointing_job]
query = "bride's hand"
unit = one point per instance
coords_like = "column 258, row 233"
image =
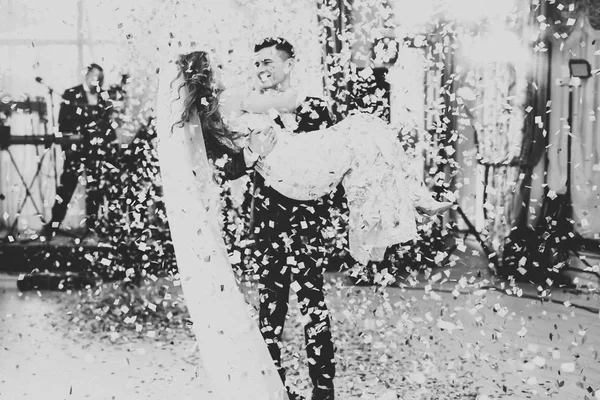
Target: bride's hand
column 262, row 142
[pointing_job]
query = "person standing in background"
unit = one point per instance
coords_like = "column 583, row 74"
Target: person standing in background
column 85, row 111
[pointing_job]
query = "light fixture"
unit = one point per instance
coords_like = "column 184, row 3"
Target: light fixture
column 579, row 68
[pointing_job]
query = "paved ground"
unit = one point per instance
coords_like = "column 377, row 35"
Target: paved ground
column 41, row 359
column 407, row 343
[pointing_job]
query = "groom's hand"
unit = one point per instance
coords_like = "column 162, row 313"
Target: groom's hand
column 262, row 142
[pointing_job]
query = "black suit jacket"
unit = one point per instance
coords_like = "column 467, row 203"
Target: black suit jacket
column 283, row 212
column 77, row 116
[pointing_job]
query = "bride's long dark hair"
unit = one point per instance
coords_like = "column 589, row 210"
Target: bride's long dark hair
column 203, row 97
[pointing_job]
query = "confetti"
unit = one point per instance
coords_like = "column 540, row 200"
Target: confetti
column 567, row 367
column 146, row 309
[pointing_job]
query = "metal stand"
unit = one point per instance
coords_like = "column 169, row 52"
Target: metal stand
column 6, row 140
column 471, row 230
column 53, row 126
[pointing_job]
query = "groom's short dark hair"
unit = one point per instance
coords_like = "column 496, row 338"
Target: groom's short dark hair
column 280, row 44
column 94, row 66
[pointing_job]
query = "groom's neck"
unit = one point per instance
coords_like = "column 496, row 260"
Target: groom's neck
column 285, row 85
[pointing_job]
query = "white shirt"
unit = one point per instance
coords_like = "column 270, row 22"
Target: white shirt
column 92, row 98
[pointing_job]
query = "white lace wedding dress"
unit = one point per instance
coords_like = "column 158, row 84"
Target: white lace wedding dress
column 364, row 154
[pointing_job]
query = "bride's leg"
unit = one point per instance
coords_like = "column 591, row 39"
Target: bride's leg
column 422, row 197
column 425, row 203
column 383, row 191
column 434, row 207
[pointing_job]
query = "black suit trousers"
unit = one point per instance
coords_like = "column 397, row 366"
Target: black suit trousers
column 74, row 167
column 292, row 256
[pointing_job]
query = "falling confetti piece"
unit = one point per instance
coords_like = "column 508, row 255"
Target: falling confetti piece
column 567, row 367
column 449, row 326
column 539, row 361
column 417, row 377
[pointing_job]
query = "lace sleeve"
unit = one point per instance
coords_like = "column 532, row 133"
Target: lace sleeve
column 227, row 158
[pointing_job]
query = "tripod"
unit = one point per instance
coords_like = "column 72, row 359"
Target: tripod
column 29, row 107
column 471, row 230
column 6, row 140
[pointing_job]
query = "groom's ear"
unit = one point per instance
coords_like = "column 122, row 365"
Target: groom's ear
column 289, row 65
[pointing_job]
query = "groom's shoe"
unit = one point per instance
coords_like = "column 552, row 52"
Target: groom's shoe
column 323, row 394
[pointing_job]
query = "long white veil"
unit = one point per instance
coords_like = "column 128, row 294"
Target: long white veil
column 232, row 350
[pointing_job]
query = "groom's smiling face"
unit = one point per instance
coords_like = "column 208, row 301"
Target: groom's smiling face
column 273, row 67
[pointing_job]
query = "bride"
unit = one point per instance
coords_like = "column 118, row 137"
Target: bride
column 362, row 152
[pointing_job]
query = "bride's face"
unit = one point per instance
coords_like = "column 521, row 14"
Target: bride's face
column 217, row 82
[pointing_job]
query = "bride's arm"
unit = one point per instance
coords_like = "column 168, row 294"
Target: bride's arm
column 234, row 160
column 232, row 163
column 230, row 104
column 262, row 103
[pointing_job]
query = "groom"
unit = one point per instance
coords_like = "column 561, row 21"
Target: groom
column 289, row 238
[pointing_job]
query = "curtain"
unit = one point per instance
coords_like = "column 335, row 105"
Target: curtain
column 564, row 13
column 583, row 43
column 535, row 127
column 493, row 95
